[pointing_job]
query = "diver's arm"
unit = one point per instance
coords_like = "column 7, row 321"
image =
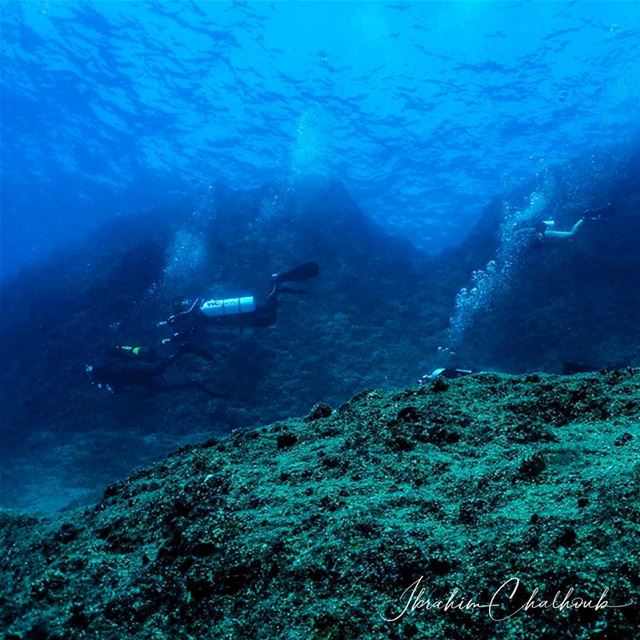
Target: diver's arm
column 192, row 315
column 191, row 312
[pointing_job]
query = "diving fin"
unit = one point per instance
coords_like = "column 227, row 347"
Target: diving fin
column 603, row 213
column 304, row 271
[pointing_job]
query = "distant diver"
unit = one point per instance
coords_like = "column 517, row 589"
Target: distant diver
column 448, row 372
column 543, row 231
column 568, row 368
column 125, row 366
column 239, row 312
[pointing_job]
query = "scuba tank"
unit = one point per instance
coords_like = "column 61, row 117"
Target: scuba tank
column 228, row 307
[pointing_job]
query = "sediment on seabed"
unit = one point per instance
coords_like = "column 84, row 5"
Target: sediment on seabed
column 314, row 527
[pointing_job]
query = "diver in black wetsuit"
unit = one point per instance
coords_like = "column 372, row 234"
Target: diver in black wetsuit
column 141, row 367
column 239, row 312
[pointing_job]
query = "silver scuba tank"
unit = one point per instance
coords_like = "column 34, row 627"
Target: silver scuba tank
column 228, row 307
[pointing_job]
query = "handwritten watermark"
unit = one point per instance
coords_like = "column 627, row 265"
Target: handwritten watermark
column 414, row 598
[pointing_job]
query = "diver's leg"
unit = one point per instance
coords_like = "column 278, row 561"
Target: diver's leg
column 576, row 226
column 552, row 234
column 165, row 363
column 160, row 366
column 304, row 271
column 265, row 315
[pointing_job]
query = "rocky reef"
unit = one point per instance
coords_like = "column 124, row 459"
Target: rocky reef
column 321, row 527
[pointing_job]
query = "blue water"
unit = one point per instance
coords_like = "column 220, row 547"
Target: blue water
column 424, row 110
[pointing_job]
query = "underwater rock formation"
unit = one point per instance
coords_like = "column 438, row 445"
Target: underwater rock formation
column 566, row 301
column 314, row 527
column 376, row 318
column 59, row 317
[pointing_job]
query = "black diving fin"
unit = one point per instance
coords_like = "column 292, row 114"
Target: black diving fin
column 304, row 271
column 602, row 213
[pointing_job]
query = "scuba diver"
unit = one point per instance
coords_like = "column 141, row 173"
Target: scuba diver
column 141, row 366
column 239, row 312
column 448, row 372
column 543, row 231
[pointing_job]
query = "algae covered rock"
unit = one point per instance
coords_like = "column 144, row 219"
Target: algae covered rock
column 400, row 514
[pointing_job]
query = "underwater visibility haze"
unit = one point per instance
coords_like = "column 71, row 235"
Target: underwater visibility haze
column 308, row 306
column 424, row 110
